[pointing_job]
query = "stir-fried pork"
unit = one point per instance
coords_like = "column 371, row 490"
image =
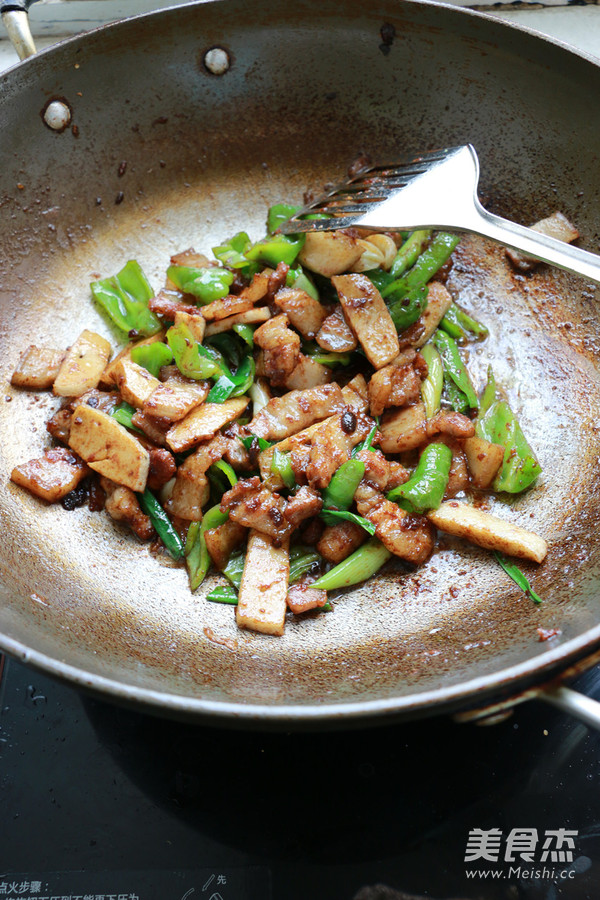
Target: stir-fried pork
column 281, row 348
column 52, row 476
column 122, row 505
column 284, row 416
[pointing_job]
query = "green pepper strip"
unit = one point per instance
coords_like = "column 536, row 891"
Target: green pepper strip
column 224, row 593
column 459, row 325
column 197, row 557
column 432, row 386
column 276, row 248
column 455, row 367
column 191, row 358
column 124, row 297
column 229, row 385
column 235, row 569
column 359, row 566
column 425, row 488
column 152, row 356
column 123, row 413
column 280, row 213
column 231, row 252
column 489, row 393
column 520, row 468
column 455, row 396
column 162, row 524
column 518, row 577
column 428, row 263
column 367, row 444
column 405, row 309
column 331, row 517
column 282, row 466
column 297, row 278
column 246, row 332
column 340, row 491
column 206, row 284
column 409, row 252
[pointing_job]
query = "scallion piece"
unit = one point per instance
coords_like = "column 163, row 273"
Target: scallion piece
column 517, row 576
column 162, row 524
column 359, row 566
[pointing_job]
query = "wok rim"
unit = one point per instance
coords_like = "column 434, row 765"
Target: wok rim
column 508, row 682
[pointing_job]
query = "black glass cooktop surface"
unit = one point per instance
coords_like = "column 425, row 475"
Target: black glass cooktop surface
column 103, row 803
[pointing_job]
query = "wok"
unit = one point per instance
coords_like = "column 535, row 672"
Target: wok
column 160, row 154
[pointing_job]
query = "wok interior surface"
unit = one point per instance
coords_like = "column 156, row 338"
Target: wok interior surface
column 205, row 156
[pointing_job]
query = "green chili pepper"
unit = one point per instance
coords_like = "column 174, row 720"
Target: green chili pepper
column 340, row 491
column 407, row 308
column 302, row 561
column 191, row 358
column 231, row 252
column 455, row 396
column 263, row 444
column 409, row 252
column 455, row 367
column 246, row 332
column 123, row 414
column 276, row 248
column 518, row 577
column 329, row 359
column 235, row 569
column 282, row 466
column 197, row 557
column 367, row 444
column 206, row 284
column 489, row 393
column 222, row 476
column 359, row 566
column 431, row 387
column 224, row 593
column 331, row 517
column 297, row 278
column 520, row 468
column 229, row 385
column 459, row 325
column 162, row 524
column 280, row 213
column 152, row 356
column 426, row 266
column 425, row 488
column 125, row 298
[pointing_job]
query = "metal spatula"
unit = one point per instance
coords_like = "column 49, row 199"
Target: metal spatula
column 437, row 190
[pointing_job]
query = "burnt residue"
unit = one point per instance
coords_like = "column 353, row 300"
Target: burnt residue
column 388, row 34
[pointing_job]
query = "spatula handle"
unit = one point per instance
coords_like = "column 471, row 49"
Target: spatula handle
column 16, row 21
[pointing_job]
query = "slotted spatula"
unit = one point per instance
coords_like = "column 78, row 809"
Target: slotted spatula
column 436, row 190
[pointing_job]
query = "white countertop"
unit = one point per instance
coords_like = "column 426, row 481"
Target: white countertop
column 51, row 20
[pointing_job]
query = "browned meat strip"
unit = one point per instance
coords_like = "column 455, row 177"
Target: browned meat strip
column 304, row 312
column 281, row 348
column 162, row 468
column 252, row 504
column 407, row 536
column 122, row 505
column 284, row 416
column 452, row 424
column 394, row 385
column 339, row 541
column 303, row 505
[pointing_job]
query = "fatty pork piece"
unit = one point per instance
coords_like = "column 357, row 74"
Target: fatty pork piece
column 331, row 444
column 397, row 384
column 251, row 503
column 302, row 597
column 191, row 489
column 408, row 536
column 307, row 374
column 281, row 348
column 52, row 476
column 284, row 416
column 122, row 506
column 340, row 540
column 304, row 312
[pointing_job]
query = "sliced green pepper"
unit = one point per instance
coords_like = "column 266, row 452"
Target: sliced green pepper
column 124, row 297
column 152, row 356
column 428, row 263
column 224, row 593
column 459, row 325
column 425, row 488
column 162, row 524
column 520, row 468
column 455, row 367
column 207, row 284
column 197, row 557
column 359, row 566
column 280, row 213
column 192, row 360
column 282, row 466
column 409, row 252
column 276, row 248
column 231, row 252
column 339, row 493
